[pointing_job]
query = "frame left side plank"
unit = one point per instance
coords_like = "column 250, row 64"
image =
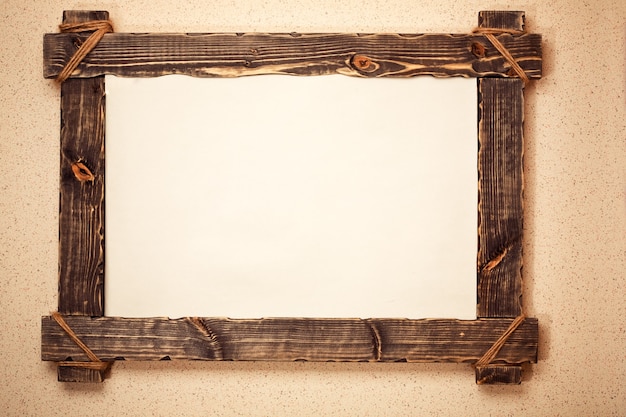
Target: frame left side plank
column 81, row 217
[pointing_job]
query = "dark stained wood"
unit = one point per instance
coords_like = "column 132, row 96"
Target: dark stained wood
column 381, row 340
column 81, row 216
column 81, row 222
column 73, row 374
column 498, row 375
column 497, row 19
column 231, row 55
column 80, row 16
column 500, row 197
column 500, row 128
column 500, row 169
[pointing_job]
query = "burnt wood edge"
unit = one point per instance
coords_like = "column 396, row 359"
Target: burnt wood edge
column 288, row 339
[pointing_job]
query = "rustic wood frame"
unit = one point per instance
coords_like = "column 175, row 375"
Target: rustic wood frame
column 499, row 259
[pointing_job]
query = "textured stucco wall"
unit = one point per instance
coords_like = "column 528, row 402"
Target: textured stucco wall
column 575, row 225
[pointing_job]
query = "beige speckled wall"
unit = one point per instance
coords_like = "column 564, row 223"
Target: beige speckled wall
column 575, row 241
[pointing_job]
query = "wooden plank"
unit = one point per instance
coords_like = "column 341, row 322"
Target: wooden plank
column 81, row 218
column 80, row 16
column 81, row 215
column 380, row 340
column 73, row 374
column 231, row 55
column 502, row 19
column 498, row 375
column 82, row 190
column 501, row 110
column 500, row 197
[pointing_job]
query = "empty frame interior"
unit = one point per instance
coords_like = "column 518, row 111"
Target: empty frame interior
column 282, row 196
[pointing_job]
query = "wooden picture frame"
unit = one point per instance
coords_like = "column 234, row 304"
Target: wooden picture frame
column 88, row 338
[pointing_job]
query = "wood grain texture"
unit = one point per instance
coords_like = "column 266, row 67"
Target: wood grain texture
column 73, row 374
column 81, row 16
column 498, row 375
column 500, row 19
column 378, row 340
column 81, row 219
column 500, row 197
column 81, row 215
column 232, row 55
column 500, row 168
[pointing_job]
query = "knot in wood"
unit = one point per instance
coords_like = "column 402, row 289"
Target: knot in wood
column 364, row 63
column 478, row 49
column 81, row 172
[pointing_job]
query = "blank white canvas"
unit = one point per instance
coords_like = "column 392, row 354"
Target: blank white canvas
column 279, row 196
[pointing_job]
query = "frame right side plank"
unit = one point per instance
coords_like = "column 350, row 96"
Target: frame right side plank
column 500, row 208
